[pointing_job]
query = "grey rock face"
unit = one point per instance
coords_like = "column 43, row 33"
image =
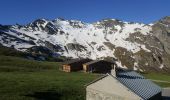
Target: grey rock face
column 75, row 46
column 161, row 30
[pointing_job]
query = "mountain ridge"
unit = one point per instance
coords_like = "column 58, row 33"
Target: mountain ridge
column 135, row 45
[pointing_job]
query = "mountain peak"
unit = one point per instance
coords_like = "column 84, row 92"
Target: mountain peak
column 165, row 19
column 39, row 21
column 130, row 43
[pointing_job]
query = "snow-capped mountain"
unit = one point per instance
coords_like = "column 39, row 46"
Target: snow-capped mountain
column 134, row 45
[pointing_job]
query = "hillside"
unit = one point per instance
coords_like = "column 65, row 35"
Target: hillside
column 138, row 46
column 23, row 79
column 7, row 51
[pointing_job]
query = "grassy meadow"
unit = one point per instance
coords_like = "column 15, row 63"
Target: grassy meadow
column 23, row 79
column 164, row 77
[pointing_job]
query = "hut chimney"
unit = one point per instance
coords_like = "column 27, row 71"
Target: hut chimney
column 113, row 71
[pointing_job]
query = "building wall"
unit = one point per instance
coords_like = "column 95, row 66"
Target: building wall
column 84, row 68
column 76, row 66
column 98, row 67
column 157, row 97
column 98, row 95
column 66, row 68
column 109, row 88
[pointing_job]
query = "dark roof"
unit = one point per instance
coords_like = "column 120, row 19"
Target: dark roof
column 91, row 62
column 138, row 84
column 71, row 61
column 76, row 60
column 95, row 61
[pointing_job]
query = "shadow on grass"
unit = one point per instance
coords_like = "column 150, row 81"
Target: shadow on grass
column 47, row 95
column 58, row 95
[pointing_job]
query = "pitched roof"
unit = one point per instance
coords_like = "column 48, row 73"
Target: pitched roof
column 142, row 87
column 91, row 62
column 138, row 84
column 101, row 77
column 95, row 61
column 76, row 60
column 71, row 61
column 111, row 86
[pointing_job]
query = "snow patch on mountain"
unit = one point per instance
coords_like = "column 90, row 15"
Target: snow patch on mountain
column 135, row 42
column 83, row 34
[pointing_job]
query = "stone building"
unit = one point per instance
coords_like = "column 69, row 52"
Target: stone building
column 123, row 85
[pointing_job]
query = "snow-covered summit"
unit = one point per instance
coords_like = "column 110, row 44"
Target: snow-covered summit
column 73, row 38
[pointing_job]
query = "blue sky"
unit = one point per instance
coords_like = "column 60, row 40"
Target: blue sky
column 25, row 11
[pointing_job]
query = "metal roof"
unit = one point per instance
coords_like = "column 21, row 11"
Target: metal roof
column 138, row 84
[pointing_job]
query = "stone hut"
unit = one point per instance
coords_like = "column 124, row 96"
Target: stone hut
column 122, row 85
column 74, row 65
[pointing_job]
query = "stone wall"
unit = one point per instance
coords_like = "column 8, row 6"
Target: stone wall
column 98, row 95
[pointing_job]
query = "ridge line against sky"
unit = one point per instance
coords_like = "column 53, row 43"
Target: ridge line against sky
column 26, row 11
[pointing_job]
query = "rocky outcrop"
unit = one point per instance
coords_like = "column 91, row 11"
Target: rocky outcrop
column 161, row 30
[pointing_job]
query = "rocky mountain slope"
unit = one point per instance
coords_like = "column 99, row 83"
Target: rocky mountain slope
column 136, row 46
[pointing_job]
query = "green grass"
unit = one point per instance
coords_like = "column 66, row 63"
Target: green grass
column 10, row 63
column 159, row 76
column 22, row 79
column 64, row 86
